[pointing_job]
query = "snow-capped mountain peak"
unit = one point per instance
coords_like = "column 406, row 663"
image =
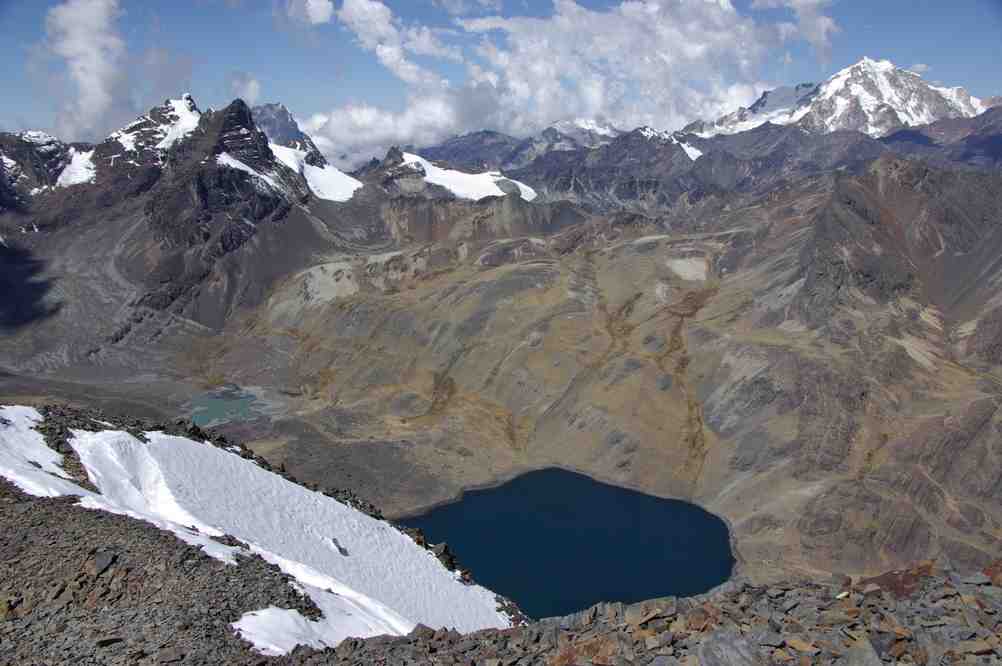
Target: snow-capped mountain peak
column 576, row 126
column 876, row 97
column 870, row 96
column 582, row 133
column 161, row 128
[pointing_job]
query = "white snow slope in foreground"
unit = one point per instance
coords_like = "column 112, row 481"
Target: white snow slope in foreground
column 467, row 185
column 325, row 182
column 79, row 170
column 384, row 583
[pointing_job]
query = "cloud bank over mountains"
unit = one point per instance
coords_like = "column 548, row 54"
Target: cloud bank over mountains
column 656, row 62
column 638, row 63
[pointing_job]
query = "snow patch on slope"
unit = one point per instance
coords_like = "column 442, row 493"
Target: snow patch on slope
column 227, row 160
column 13, row 169
column 467, row 185
column 185, row 119
column 668, row 137
column 367, row 577
column 23, row 448
column 128, row 141
column 693, row 152
column 79, row 170
column 326, row 182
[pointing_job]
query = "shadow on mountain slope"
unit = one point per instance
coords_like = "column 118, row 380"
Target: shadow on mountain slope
column 24, row 290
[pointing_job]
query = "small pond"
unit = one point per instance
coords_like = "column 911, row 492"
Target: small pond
column 226, row 404
column 557, row 542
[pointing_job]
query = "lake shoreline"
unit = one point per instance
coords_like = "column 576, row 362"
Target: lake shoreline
column 647, row 546
column 737, row 573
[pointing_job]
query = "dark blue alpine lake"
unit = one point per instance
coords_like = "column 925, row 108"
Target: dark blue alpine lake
column 556, row 542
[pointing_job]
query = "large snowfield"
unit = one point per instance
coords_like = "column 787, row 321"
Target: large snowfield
column 325, row 182
column 467, row 185
column 367, row 577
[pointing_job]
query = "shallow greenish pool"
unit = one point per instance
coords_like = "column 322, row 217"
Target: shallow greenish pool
column 223, row 405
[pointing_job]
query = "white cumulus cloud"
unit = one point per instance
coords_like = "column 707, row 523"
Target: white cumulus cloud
column 460, row 7
column 244, row 86
column 919, row 68
column 813, row 25
column 380, row 32
column 83, row 33
column 94, row 82
column 639, row 62
column 313, row 12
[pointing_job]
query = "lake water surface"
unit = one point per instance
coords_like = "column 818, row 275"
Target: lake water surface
column 557, row 542
column 226, row 404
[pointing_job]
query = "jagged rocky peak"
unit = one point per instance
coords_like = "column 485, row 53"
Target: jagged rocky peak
column 240, row 137
column 871, row 96
column 34, row 161
column 281, row 128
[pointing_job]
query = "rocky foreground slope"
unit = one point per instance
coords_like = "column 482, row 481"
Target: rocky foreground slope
column 353, row 575
column 79, row 585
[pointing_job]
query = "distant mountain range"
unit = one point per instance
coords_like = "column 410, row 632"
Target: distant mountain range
column 872, row 96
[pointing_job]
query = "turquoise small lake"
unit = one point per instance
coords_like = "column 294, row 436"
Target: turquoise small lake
column 557, row 542
column 224, row 405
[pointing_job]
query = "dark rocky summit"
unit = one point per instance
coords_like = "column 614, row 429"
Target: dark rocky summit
column 281, row 128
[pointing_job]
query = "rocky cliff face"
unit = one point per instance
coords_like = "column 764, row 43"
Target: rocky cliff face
column 280, row 127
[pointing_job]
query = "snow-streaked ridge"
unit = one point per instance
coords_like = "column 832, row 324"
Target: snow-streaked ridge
column 367, row 577
column 326, row 182
column 227, row 160
column 668, row 137
column 467, row 185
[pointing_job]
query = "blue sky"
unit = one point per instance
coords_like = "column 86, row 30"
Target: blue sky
column 402, row 70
